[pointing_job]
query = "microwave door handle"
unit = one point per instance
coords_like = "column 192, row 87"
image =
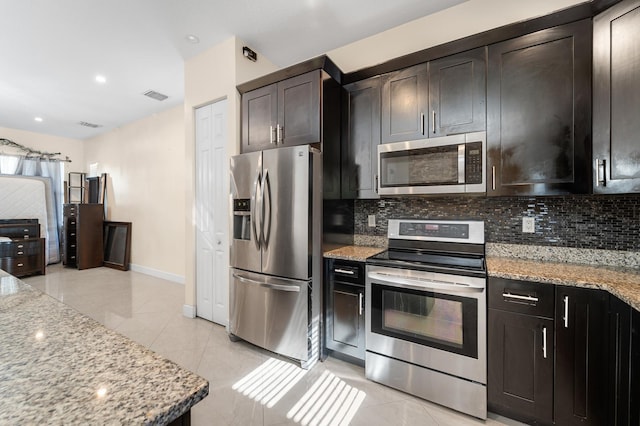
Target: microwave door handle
column 461, row 163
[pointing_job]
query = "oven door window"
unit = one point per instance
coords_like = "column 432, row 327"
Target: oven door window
column 440, row 165
column 437, row 320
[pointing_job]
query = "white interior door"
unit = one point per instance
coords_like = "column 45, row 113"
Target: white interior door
column 212, row 280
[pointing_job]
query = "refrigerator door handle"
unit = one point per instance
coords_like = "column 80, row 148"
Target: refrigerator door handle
column 254, row 206
column 266, row 202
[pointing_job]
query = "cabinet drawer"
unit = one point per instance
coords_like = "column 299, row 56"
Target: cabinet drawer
column 21, row 266
column 345, row 271
column 521, row 297
column 70, row 210
column 20, row 248
column 22, row 230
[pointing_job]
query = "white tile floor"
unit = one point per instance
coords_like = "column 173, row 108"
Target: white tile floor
column 149, row 311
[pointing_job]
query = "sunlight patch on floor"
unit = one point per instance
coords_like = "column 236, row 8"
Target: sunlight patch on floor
column 330, row 401
column 268, row 383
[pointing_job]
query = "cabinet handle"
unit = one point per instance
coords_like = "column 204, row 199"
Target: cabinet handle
column 20, row 246
column 376, row 184
column 601, row 165
column 360, row 298
column 270, row 134
column 20, row 264
column 344, row 271
column 493, row 178
column 279, row 131
column 519, row 297
column 422, row 123
column 544, row 342
column 20, row 252
column 433, row 118
column 566, row 311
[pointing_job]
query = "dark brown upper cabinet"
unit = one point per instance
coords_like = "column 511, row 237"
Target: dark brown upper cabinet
column 404, row 104
column 259, row 117
column 616, row 99
column 442, row 97
column 286, row 113
column 361, row 136
column 539, row 112
column 457, row 93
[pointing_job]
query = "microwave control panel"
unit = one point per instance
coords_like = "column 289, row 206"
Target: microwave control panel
column 473, row 163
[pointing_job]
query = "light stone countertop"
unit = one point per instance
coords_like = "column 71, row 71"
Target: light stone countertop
column 622, row 282
column 551, row 266
column 355, row 253
column 58, row 366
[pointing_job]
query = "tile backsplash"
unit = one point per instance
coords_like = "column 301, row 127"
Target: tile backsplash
column 610, row 222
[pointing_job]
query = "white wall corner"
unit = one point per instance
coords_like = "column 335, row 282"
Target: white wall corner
column 189, row 311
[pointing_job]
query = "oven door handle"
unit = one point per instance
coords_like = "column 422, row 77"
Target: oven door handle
column 413, row 284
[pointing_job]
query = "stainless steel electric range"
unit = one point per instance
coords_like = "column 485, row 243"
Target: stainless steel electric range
column 426, row 313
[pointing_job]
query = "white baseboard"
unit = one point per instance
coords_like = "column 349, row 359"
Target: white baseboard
column 189, row 311
column 157, row 273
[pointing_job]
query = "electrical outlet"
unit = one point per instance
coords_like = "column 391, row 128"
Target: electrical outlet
column 528, row 225
column 372, row 220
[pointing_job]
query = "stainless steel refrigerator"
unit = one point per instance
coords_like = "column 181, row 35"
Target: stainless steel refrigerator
column 276, row 255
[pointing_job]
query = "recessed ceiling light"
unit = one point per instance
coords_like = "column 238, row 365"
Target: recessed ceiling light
column 101, row 79
column 38, row 119
column 192, row 39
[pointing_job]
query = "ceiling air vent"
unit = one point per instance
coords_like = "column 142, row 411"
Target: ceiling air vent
column 155, row 95
column 92, row 125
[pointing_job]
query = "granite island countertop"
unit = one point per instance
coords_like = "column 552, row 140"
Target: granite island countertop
column 58, row 366
column 622, row 282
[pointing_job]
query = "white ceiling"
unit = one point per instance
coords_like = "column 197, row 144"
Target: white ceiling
column 51, row 51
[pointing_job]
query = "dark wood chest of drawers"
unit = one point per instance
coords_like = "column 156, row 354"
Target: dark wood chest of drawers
column 82, row 235
column 25, row 253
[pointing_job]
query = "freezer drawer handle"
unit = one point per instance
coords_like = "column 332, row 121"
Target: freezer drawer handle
column 295, row 289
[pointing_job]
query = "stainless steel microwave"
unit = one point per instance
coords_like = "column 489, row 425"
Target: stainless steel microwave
column 446, row 165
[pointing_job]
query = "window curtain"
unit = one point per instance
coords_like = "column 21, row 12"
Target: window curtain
column 50, row 169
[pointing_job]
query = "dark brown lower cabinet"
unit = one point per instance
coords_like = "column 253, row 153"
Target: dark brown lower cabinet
column 619, row 362
column 520, row 348
column 577, row 363
column 624, row 364
column 581, row 378
column 634, row 398
column 345, row 328
column 521, row 366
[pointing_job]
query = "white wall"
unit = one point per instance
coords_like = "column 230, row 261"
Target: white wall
column 465, row 19
column 145, row 164
column 67, row 147
column 211, row 76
